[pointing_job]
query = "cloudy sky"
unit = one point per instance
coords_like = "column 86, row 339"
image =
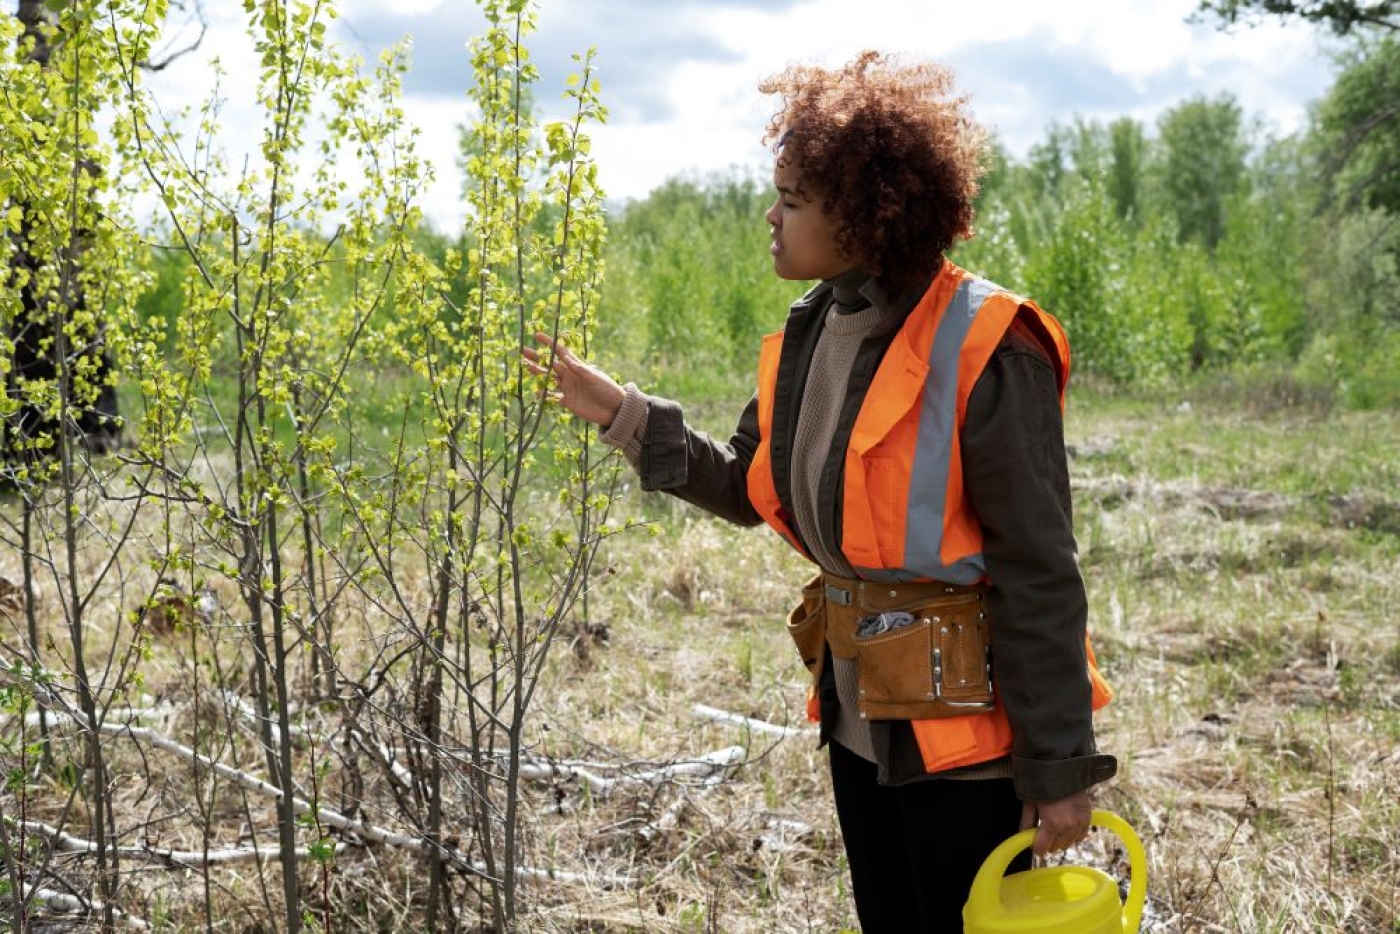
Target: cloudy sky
column 679, row 76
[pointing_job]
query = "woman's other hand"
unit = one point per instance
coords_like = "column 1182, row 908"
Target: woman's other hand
column 1059, row 824
column 579, row 386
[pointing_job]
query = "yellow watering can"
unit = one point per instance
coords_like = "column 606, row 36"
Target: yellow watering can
column 1058, row 899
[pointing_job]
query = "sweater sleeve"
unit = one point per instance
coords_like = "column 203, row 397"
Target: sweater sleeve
column 629, row 426
column 1017, row 479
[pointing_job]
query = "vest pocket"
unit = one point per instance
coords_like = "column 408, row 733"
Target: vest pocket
column 889, row 511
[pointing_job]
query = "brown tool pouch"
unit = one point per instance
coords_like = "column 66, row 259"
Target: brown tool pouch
column 806, row 624
column 933, row 661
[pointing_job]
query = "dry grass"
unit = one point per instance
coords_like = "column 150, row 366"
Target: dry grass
column 1244, row 601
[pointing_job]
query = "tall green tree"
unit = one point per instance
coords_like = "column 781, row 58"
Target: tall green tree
column 1359, row 123
column 1127, row 155
column 1049, row 161
column 1202, row 169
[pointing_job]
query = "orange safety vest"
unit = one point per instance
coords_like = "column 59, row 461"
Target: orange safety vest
column 906, row 437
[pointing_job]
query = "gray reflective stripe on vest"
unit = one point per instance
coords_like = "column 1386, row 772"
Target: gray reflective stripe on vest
column 928, row 485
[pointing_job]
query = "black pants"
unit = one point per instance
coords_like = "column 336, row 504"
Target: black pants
column 914, row 849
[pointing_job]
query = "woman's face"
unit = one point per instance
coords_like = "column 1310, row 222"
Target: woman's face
column 804, row 236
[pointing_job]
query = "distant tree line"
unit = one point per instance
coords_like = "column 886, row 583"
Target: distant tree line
column 1191, row 247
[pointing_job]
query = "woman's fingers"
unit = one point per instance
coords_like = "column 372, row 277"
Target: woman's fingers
column 583, row 389
column 556, row 361
column 1062, row 823
column 559, row 360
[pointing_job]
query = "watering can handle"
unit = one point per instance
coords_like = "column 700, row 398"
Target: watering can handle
column 986, row 888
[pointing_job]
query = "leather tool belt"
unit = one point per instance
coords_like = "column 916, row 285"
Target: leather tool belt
column 922, row 649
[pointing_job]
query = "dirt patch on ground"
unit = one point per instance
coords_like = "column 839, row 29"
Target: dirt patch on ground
column 1361, row 512
column 1352, row 511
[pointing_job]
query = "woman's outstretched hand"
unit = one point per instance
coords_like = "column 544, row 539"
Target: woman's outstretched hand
column 578, row 386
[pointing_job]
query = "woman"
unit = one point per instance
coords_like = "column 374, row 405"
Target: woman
column 906, row 437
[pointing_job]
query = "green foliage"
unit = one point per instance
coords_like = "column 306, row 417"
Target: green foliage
column 1070, row 276
column 1359, row 122
column 690, row 280
column 269, row 312
column 1127, row 148
column 1202, row 166
column 1350, row 302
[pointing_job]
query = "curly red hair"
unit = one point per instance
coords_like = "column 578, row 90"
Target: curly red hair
column 892, row 152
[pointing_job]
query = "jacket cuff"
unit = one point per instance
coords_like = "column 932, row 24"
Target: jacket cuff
column 664, row 463
column 1051, row 780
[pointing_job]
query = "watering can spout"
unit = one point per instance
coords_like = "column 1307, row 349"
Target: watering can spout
column 1058, row 899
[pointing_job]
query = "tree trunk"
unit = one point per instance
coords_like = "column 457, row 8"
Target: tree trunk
column 97, row 426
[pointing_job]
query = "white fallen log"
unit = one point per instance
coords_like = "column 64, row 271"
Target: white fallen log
column 748, row 723
column 192, row 859
column 328, row 816
column 671, row 817
column 55, row 718
column 63, row 901
column 781, row 835
column 397, row 769
column 250, row 716
column 726, row 759
column 549, row 771
column 713, row 765
column 573, row 878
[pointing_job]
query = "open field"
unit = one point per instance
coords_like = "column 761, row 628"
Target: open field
column 1245, row 602
column 1243, row 582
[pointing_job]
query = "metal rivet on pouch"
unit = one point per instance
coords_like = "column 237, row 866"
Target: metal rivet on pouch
column 894, row 593
column 944, row 630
